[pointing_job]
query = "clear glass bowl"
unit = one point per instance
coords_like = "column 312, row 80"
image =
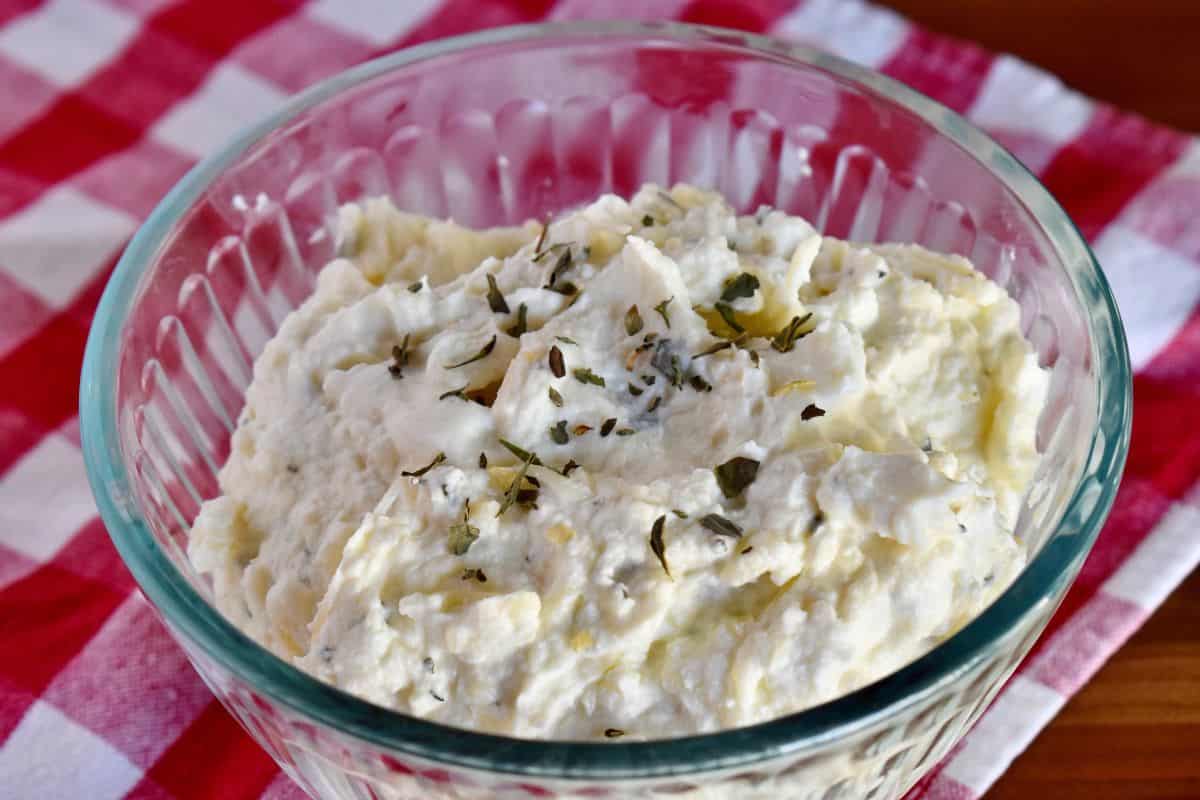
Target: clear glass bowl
column 510, row 124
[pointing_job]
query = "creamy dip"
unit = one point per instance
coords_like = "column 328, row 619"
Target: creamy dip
column 649, row 470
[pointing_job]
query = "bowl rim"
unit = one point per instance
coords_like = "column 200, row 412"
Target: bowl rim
column 192, row 619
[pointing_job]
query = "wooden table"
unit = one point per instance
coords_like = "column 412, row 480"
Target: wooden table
column 1134, row 731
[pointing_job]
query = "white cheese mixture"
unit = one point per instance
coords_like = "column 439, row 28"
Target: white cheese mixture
column 690, row 528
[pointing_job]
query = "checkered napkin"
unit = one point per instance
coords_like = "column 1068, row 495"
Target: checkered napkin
column 103, row 105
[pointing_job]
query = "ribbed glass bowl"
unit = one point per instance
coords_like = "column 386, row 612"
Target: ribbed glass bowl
column 503, row 126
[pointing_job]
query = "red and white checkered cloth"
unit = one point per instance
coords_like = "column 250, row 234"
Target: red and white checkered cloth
column 105, row 103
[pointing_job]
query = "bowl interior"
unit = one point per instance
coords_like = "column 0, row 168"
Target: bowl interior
column 519, row 126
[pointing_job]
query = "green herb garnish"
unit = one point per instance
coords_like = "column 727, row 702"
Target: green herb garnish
column 608, row 426
column 521, row 325
column 786, row 339
column 566, row 340
column 495, row 299
column 558, row 432
column 656, row 543
column 636, row 391
column 661, row 308
column 730, row 318
column 744, row 285
column 729, row 243
column 438, row 459
column 482, row 354
column 735, row 475
column 568, row 468
column 416, row 287
column 555, row 397
column 633, row 321
column 720, row 526
column 625, row 431
column 613, row 733
column 474, row 574
column 647, row 221
column 699, row 384
column 585, row 375
column 652, row 406
column 811, row 411
column 399, row 359
column 681, row 514
column 483, row 460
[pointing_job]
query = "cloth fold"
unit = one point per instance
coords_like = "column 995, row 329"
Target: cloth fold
column 107, row 102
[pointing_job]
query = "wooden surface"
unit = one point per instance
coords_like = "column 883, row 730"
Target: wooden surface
column 1134, row 731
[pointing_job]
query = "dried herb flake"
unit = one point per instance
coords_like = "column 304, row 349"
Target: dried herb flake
column 555, row 397
column 460, row 393
column 399, row 359
column 608, row 426
column 661, row 308
column 558, row 432
column 730, row 318
column 557, row 367
column 585, row 375
column 744, row 285
column 438, row 459
column 811, row 411
column 495, row 299
column 633, row 321
column 513, row 495
column 656, row 543
column 518, row 328
column 463, row 534
column 482, row 354
column 735, row 475
column 720, row 526
column 786, row 339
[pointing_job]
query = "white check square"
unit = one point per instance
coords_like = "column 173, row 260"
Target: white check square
column 847, row 28
column 66, row 40
column 1018, row 97
column 377, row 21
column 1156, row 288
column 230, row 100
column 55, row 246
column 44, row 499
column 50, row 755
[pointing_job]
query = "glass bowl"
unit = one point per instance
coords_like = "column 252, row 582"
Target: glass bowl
column 507, row 125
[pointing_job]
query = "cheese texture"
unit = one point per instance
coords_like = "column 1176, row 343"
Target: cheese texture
column 537, row 482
